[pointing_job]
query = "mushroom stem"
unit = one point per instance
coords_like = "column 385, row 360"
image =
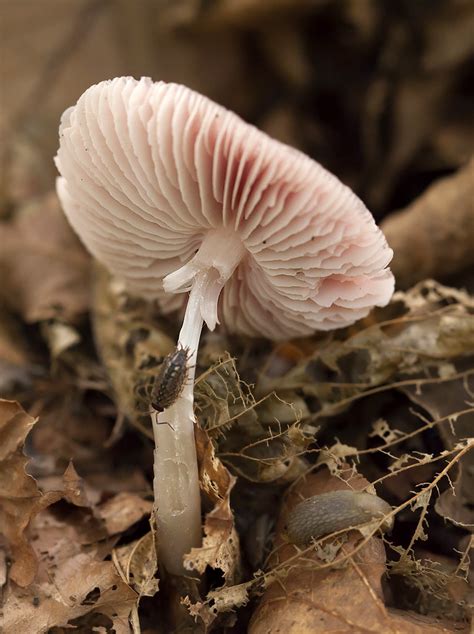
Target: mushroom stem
column 176, row 480
column 220, row 253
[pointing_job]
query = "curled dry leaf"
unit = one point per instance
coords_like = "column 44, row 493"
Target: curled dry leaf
column 45, row 270
column 335, row 588
column 222, row 600
column 20, row 498
column 101, row 519
column 73, row 489
column 434, row 235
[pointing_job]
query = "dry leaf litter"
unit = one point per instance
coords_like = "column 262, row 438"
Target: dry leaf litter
column 386, row 406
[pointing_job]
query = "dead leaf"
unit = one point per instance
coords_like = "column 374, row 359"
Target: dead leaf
column 109, row 518
column 433, row 236
column 314, row 595
column 214, row 479
column 13, row 347
column 138, row 565
column 444, row 403
column 20, row 498
column 74, row 584
column 122, row 511
column 44, row 267
column 415, row 336
column 73, row 489
column 80, row 586
column 220, row 548
column 131, row 341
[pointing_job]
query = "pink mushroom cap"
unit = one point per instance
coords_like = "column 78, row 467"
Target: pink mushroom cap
column 160, row 181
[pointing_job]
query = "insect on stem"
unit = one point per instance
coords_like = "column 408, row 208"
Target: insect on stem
column 163, row 422
column 170, row 380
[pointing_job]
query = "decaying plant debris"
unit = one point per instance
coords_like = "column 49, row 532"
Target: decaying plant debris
column 390, row 398
column 385, row 406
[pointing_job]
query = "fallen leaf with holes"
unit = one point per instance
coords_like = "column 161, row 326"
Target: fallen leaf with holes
column 45, row 270
column 225, row 404
column 80, row 587
column 73, row 584
column 59, row 540
column 220, row 548
column 313, row 595
column 444, row 402
column 417, row 334
column 241, row 426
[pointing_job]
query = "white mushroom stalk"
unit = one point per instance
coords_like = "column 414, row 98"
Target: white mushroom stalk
column 176, row 481
column 213, row 265
column 175, row 194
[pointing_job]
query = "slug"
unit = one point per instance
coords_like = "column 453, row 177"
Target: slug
column 333, row 511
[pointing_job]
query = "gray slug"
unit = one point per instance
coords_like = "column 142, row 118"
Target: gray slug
column 329, row 512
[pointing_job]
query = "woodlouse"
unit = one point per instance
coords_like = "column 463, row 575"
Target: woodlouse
column 170, row 380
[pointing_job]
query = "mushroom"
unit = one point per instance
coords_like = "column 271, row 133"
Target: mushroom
column 175, row 194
